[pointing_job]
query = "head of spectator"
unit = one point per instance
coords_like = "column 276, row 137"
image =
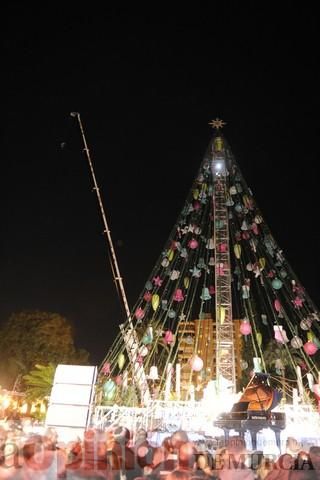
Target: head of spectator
column 314, row 454
column 187, row 456
column 293, row 446
column 122, row 435
column 178, row 438
column 236, row 448
column 144, row 455
column 221, row 458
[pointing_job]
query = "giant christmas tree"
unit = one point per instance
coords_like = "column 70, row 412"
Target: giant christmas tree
column 221, row 303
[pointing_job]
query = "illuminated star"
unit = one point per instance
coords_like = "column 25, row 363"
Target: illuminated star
column 217, row 123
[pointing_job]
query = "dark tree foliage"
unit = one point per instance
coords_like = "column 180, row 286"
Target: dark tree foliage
column 36, row 337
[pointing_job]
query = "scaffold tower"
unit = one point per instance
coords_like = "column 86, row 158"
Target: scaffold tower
column 225, row 352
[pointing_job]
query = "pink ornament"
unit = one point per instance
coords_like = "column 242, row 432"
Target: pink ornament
column 298, row 302
column 310, row 348
column 157, row 281
column 178, row 295
column 193, row 243
column 245, row 235
column 245, row 327
column 196, row 363
column 255, row 228
column 280, row 335
column 147, row 296
column 168, row 337
column 222, row 247
column 212, row 290
column 118, row 380
column 139, row 313
column 106, row 368
column 277, row 305
column 196, row 205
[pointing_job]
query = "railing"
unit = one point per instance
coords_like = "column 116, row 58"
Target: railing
column 302, row 416
column 158, row 415
column 192, row 416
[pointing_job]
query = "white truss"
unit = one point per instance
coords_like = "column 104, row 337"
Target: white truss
column 132, row 345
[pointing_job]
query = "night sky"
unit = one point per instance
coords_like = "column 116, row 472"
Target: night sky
column 146, row 83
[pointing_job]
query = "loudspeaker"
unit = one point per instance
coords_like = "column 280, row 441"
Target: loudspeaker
column 70, row 404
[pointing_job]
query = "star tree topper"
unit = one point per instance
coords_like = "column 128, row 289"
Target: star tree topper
column 217, row 123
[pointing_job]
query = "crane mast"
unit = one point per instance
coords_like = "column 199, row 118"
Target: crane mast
column 129, row 334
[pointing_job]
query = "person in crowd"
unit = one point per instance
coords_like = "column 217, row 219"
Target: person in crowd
column 302, row 461
column 264, row 468
column 221, row 458
column 10, row 465
column 165, row 458
column 205, row 466
column 187, row 457
column 141, row 438
column 314, row 455
column 121, row 457
column 51, row 438
column 3, row 439
column 293, row 447
column 233, row 465
column 178, row 438
column 40, row 463
column 144, row 452
column 281, row 468
column 164, row 452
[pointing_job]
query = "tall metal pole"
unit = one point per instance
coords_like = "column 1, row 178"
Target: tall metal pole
column 115, row 267
column 130, row 336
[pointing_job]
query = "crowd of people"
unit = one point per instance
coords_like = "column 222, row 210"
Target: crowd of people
column 116, row 454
